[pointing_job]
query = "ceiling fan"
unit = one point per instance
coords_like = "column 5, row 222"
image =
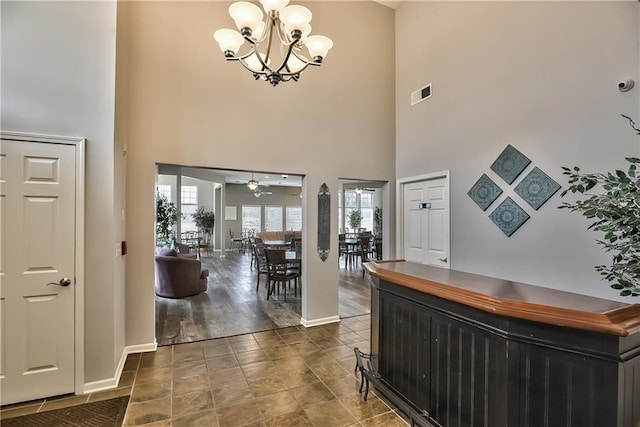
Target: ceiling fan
column 257, row 192
column 358, row 189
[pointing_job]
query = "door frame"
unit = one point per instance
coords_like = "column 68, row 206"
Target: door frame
column 79, row 144
column 400, row 226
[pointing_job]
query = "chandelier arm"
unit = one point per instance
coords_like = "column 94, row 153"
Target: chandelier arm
column 285, row 59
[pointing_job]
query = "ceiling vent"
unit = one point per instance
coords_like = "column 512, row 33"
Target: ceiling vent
column 421, row 94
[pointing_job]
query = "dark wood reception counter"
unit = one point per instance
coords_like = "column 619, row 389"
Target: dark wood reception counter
column 459, row 349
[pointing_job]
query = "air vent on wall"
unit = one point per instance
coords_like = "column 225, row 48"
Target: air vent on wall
column 421, row 94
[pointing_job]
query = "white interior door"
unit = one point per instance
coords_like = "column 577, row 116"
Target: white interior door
column 426, row 221
column 37, row 318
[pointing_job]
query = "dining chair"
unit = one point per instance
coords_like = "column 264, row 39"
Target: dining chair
column 364, row 247
column 236, row 240
column 278, row 272
column 342, row 245
column 262, row 266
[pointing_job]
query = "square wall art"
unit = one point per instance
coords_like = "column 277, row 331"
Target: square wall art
column 509, row 164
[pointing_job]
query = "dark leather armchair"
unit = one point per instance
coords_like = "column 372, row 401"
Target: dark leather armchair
column 178, row 276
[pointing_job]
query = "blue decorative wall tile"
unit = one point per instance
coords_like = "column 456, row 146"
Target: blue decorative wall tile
column 509, row 164
column 484, row 192
column 508, row 216
column 536, row 188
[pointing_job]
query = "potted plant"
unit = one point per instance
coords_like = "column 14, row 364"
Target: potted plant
column 355, row 219
column 616, row 213
column 377, row 221
column 166, row 216
column 204, row 220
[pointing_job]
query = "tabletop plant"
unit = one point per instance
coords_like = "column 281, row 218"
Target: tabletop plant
column 615, row 211
column 166, row 216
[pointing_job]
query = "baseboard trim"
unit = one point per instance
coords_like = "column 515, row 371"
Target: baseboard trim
column 112, row 383
column 317, row 322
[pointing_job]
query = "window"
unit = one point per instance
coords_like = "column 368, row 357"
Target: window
column 363, row 202
column 273, row 218
column 189, row 205
column 189, row 195
column 294, row 218
column 366, row 207
column 251, row 217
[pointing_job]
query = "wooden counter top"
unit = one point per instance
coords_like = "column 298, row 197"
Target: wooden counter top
column 513, row 299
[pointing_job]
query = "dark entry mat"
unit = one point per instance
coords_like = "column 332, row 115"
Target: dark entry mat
column 106, row 413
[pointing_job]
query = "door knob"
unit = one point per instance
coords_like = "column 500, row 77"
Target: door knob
column 443, row 259
column 64, row 282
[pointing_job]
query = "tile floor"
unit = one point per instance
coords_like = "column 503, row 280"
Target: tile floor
column 294, row 376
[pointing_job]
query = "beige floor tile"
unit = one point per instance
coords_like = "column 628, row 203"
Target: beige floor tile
column 185, row 385
column 362, row 409
column 388, row 419
column 271, row 342
column 268, row 385
column 153, row 375
column 230, row 394
column 217, row 350
column 239, row 415
column 343, row 386
column 243, row 347
column 312, row 394
column 298, row 418
column 222, row 362
column 159, row 361
column 277, row 404
column 190, row 369
column 147, row 412
column 330, row 414
column 250, row 357
column 259, row 370
column 199, row 419
column 150, row 391
column 225, row 376
column 187, row 403
column 328, row 370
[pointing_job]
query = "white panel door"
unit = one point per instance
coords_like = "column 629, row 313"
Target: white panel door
column 414, row 223
column 426, row 227
column 37, row 319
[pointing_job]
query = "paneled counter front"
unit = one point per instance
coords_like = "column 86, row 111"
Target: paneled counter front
column 459, row 349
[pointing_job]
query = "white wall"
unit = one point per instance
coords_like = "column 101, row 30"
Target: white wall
column 541, row 76
column 188, row 106
column 58, row 77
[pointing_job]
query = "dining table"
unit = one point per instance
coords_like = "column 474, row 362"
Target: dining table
column 275, row 244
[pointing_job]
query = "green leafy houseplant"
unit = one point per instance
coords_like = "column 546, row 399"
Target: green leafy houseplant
column 616, row 213
column 355, row 219
column 377, row 220
column 204, row 220
column 166, row 216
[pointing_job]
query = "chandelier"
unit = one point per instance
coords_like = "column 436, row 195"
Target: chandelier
column 252, row 184
column 286, row 27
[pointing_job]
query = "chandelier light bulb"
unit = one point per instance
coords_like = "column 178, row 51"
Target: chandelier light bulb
column 318, row 46
column 229, row 40
column 254, row 63
column 246, row 15
column 276, row 5
column 295, row 64
column 295, row 18
column 252, row 184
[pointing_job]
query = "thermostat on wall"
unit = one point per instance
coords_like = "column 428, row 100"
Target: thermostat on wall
column 421, row 94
